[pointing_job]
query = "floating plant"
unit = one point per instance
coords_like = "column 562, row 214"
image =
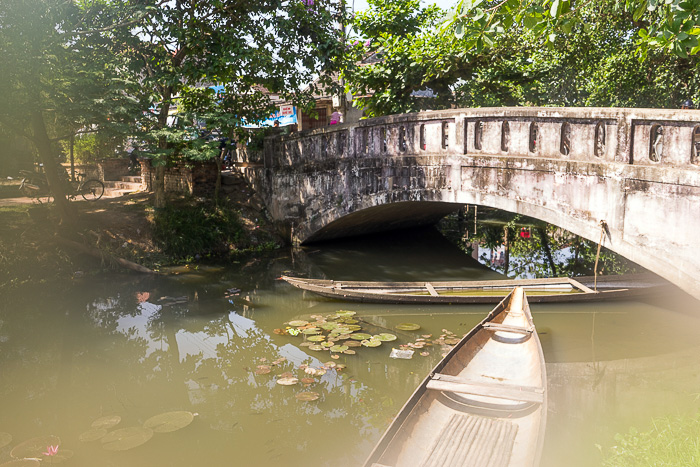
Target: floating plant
column 290, row 381
column 34, row 447
column 5, row 439
column 263, row 369
column 106, row 422
column 307, row 396
column 386, row 337
column 22, row 463
column 92, row 435
column 408, row 327
column 169, row 421
column 126, row 438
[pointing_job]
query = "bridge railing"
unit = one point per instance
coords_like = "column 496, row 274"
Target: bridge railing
column 646, row 137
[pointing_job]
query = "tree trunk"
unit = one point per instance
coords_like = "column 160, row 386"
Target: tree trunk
column 51, row 167
column 506, row 243
column 159, row 182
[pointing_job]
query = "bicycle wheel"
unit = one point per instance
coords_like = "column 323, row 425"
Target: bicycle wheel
column 92, row 190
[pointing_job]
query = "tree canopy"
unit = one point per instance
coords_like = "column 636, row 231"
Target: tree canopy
column 518, row 52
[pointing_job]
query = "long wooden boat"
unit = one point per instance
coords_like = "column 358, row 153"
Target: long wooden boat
column 483, row 405
column 551, row 290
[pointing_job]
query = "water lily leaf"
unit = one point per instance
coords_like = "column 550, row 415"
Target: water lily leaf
column 349, row 352
column 316, row 347
column 106, row 422
column 169, row 421
column 345, row 313
column 22, row 463
column 408, row 327
column 386, row 337
column 352, row 343
column 58, row 457
column 350, row 321
column 424, row 354
column 92, row 435
column 126, row 438
column 308, row 380
column 316, row 338
column 311, row 331
column 339, row 348
column 287, row 381
column 262, row 370
column 305, row 344
column 328, row 326
column 452, row 340
column 307, row 396
column 287, row 374
column 34, row 447
column 298, row 322
column 342, row 337
column 339, row 367
column 360, row 336
column 336, row 356
column 5, row 439
column 330, row 364
column 372, row 343
column 353, row 327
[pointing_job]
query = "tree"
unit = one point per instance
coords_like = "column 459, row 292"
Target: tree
column 178, row 50
column 56, row 75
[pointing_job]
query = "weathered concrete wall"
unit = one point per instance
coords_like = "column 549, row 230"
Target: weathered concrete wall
column 195, row 178
column 635, row 169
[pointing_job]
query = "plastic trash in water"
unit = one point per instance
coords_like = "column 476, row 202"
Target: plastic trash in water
column 401, row 353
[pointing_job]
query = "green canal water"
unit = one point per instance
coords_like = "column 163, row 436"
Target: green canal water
column 135, row 347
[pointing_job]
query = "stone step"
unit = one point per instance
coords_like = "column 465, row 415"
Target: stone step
column 121, row 185
column 131, row 178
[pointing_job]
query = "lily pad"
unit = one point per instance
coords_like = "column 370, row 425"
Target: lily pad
column 5, row 439
column 34, row 447
column 298, row 322
column 92, row 435
column 349, row 352
column 317, row 338
column 289, row 381
column 263, row 369
column 339, row 348
column 169, row 421
column 345, row 313
column 328, row 326
column 353, row 327
column 22, row 463
column 56, row 457
column 126, row 438
column 307, row 396
column 352, row 343
column 308, row 381
column 372, row 343
column 452, row 340
column 360, row 336
column 106, row 422
column 311, row 331
column 316, row 347
column 408, row 327
column 386, row 337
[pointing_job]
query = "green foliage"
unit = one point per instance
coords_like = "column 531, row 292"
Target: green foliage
column 91, row 147
column 672, row 441
column 187, row 228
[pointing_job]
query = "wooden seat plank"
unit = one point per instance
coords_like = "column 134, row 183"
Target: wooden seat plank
column 440, row 382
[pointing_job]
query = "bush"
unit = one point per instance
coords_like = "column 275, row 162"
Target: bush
column 187, row 228
column 671, row 442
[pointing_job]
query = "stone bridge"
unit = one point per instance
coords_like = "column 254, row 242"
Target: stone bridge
column 635, row 169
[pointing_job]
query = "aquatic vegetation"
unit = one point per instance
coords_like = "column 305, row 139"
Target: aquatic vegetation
column 169, row 421
column 126, row 438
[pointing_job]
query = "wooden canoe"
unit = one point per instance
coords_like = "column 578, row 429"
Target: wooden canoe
column 483, row 405
column 548, row 290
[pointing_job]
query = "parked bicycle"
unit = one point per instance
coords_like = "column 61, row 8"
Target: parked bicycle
column 35, row 185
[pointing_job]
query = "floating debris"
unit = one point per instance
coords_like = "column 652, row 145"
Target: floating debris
column 169, row 421
column 401, row 353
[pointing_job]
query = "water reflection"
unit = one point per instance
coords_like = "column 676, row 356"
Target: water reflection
column 137, row 347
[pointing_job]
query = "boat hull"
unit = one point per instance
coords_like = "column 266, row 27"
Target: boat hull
column 484, row 404
column 479, row 292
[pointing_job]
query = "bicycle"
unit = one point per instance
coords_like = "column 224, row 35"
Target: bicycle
column 35, row 185
column 90, row 189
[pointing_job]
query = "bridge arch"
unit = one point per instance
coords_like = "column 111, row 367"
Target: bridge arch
column 572, row 167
